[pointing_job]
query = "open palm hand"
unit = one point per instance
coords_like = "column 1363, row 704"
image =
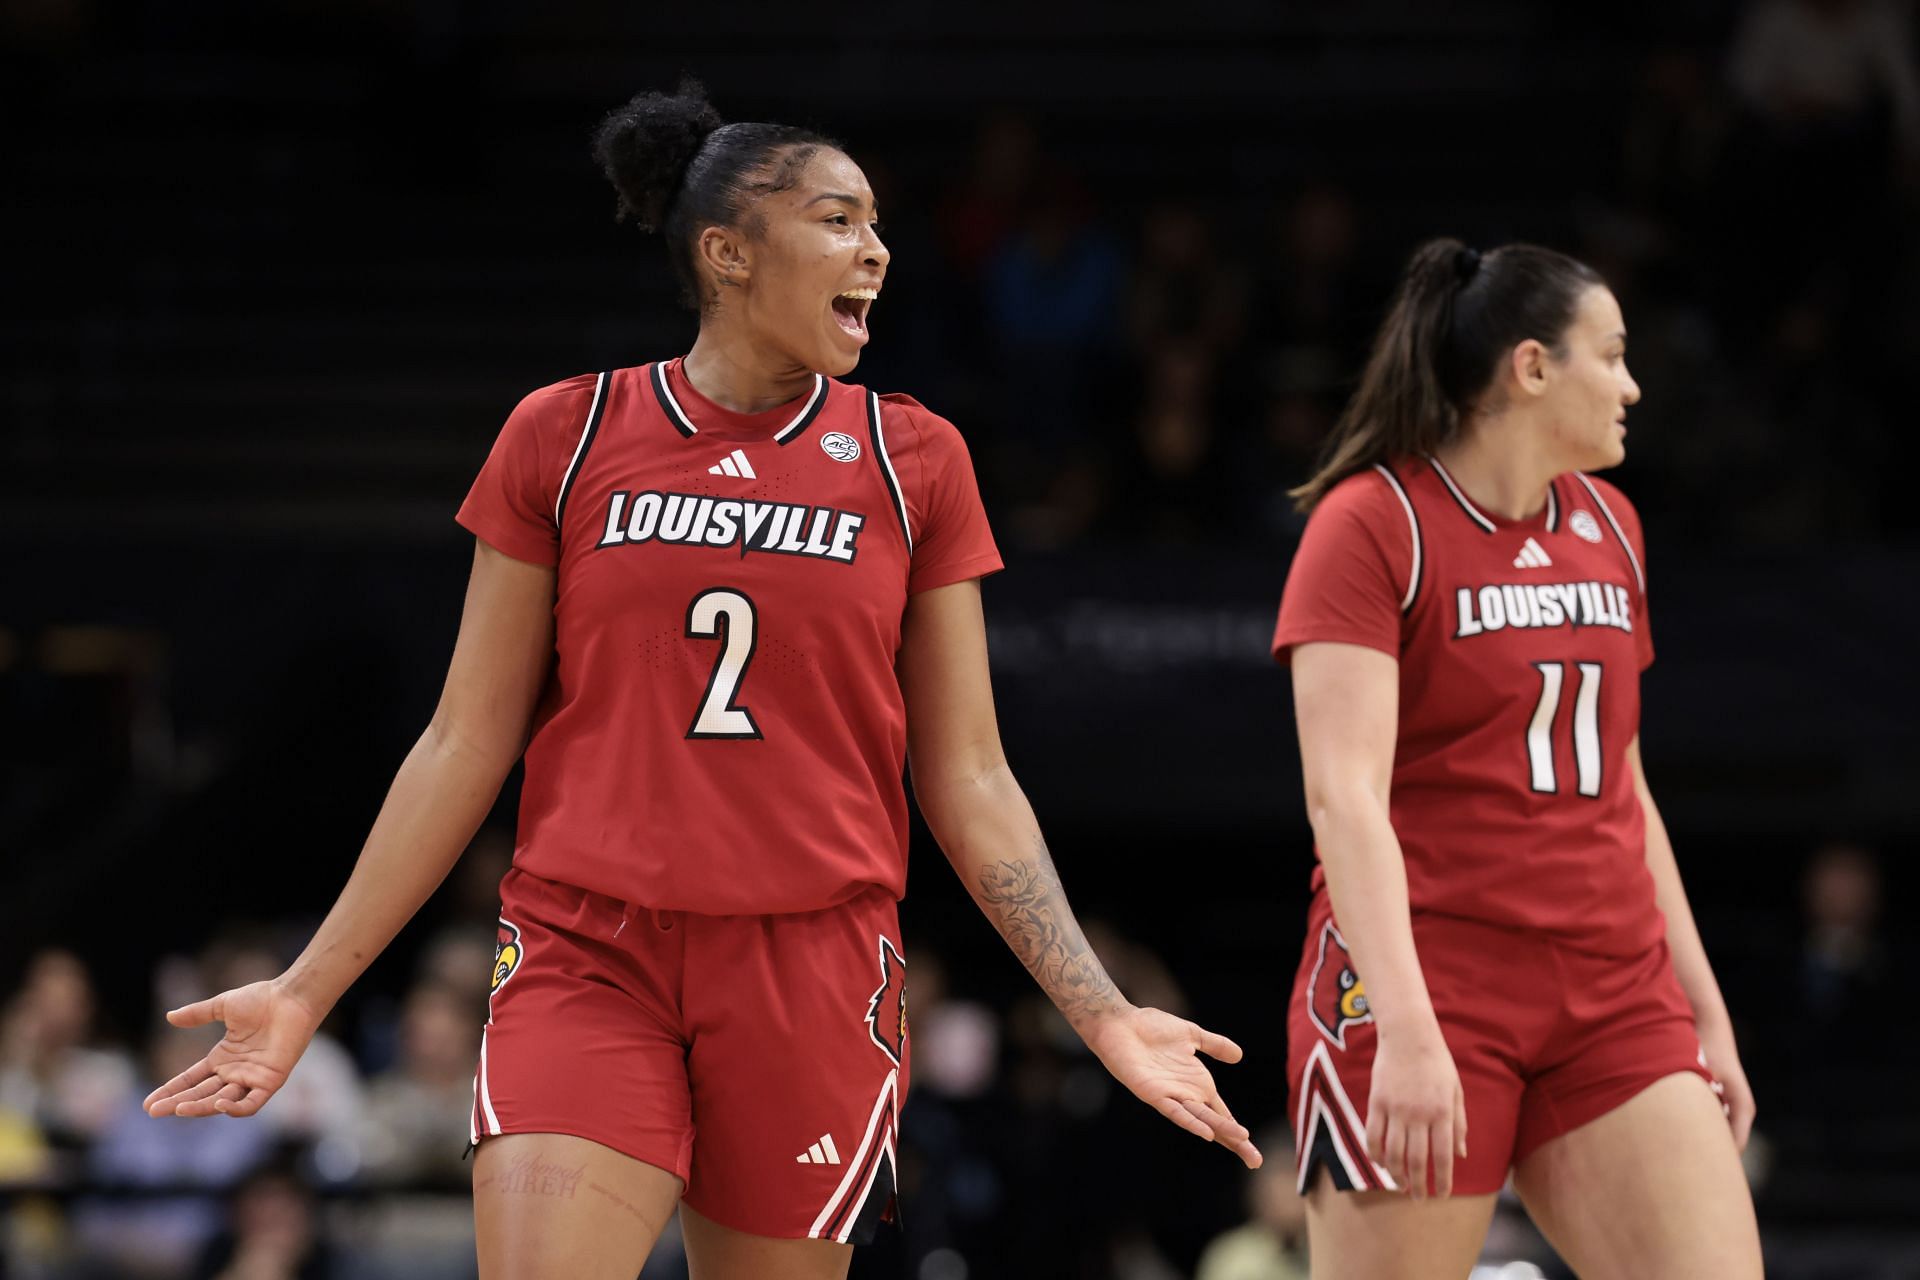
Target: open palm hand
column 267, row 1030
column 1156, row 1055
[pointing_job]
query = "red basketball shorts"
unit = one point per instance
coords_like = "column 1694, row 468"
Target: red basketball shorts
column 761, row 1059
column 1545, row 1039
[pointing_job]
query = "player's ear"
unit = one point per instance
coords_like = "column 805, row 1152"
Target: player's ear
column 723, row 256
column 1528, row 365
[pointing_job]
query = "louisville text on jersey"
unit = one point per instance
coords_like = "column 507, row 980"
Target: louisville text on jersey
column 1555, row 604
column 698, row 520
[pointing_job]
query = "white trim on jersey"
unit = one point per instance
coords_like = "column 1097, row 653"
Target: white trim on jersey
column 888, row 1092
column 1607, row 511
column 1460, row 497
column 806, row 410
column 1553, row 510
column 1413, row 525
column 893, row 479
column 586, row 433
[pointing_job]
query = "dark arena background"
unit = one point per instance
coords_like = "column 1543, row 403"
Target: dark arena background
column 274, row 275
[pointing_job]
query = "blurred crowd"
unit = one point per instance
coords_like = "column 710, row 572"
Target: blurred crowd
column 1167, row 378
column 356, row 1168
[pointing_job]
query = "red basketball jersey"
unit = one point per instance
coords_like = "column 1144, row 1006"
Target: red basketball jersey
column 1520, row 646
column 722, row 731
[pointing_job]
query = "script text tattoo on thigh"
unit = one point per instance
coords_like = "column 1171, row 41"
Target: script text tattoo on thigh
column 532, row 1176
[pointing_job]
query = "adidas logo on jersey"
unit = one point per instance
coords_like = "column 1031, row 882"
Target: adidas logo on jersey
column 1532, row 556
column 734, row 464
column 821, row 1152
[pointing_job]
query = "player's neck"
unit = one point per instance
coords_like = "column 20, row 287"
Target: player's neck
column 739, row 375
column 1502, row 465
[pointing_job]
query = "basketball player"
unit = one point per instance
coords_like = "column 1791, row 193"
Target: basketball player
column 1498, row 940
column 717, row 600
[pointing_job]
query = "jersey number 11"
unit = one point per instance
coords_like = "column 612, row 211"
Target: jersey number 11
column 1586, row 727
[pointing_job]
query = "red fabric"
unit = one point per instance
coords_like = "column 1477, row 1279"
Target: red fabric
column 625, row 793
column 1493, row 817
column 1546, row 1037
column 721, row 1049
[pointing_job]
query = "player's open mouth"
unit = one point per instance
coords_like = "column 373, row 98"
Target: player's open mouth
column 850, row 311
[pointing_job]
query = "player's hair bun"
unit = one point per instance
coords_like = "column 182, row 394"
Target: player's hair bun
column 645, row 147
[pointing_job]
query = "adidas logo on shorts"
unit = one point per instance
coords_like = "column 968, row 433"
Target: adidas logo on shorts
column 821, row 1152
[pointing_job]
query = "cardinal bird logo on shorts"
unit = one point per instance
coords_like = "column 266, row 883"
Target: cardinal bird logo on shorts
column 1336, row 998
column 506, row 955
column 887, row 1010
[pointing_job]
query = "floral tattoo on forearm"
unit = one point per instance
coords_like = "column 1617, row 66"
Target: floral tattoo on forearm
column 1028, row 905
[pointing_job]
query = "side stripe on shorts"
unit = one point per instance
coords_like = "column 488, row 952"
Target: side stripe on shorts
column 1326, row 1118
column 844, row 1208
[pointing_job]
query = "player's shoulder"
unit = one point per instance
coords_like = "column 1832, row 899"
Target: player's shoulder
column 1370, row 496
column 1611, row 496
column 898, row 406
column 559, row 402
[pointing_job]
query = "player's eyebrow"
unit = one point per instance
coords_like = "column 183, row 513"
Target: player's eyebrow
column 841, row 196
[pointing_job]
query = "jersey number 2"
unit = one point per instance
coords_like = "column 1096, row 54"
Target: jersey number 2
column 1586, row 727
column 721, row 613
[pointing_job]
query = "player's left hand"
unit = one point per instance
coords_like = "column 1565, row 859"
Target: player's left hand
column 1736, row 1095
column 1156, row 1055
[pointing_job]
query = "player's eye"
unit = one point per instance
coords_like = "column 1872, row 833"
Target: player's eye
column 876, row 227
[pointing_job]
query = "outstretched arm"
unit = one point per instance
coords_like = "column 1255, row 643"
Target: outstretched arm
column 1690, row 965
column 987, row 829
column 439, row 797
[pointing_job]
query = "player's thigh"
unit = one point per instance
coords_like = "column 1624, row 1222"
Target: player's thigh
column 715, row 1252
column 553, row 1205
column 1651, row 1190
column 1384, row 1235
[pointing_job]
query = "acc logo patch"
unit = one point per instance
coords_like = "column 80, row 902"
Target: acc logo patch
column 887, row 1010
column 506, row 955
column 1336, row 998
column 840, row 446
column 1583, row 524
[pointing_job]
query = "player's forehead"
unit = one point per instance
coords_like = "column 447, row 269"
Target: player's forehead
column 1596, row 316
column 829, row 177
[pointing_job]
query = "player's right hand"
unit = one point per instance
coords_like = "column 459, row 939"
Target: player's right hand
column 267, row 1029
column 1416, row 1112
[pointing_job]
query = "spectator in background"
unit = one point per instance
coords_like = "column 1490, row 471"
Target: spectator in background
column 1272, row 1243
column 1822, row 70
column 1843, row 960
column 414, row 1128
column 163, row 1235
column 1053, row 311
column 274, row 1234
column 58, row 1074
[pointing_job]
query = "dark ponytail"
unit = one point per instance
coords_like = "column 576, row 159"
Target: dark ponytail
column 1455, row 316
column 679, row 168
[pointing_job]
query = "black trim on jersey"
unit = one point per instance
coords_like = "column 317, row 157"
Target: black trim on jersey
column 725, row 638
column 885, row 464
column 1419, row 539
column 657, row 374
column 602, row 389
column 1480, row 521
column 1553, row 508
column 798, row 427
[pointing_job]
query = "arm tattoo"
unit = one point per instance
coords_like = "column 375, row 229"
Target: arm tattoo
column 1030, row 909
